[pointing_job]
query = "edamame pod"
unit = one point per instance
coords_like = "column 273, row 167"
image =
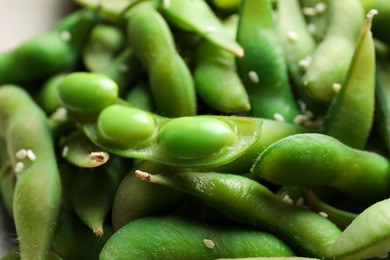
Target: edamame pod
column 329, row 65
column 170, row 79
column 197, row 16
column 351, row 113
column 102, row 45
column 37, row 195
column 321, row 160
column 368, row 235
column 263, row 69
column 184, row 238
column 216, row 79
column 185, row 141
column 249, row 202
column 47, row 54
column 135, row 199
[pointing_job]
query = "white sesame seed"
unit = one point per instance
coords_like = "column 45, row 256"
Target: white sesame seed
column 287, row 199
column 21, row 154
column 210, row 29
column 65, row 151
column 66, row 36
column 19, row 166
column 320, row 7
column 309, row 11
column 31, row 155
column 300, row 201
column 253, row 76
column 208, row 243
column 123, row 68
column 371, row 13
column 167, row 3
column 312, row 28
column 279, row 117
column 336, row 87
column 324, row 214
column 60, row 114
column 292, row 36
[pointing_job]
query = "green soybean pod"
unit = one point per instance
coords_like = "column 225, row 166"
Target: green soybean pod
column 37, row 194
column 135, row 199
column 329, row 65
column 49, row 53
column 368, row 235
column 319, row 160
column 193, row 141
column 170, row 79
column 263, row 68
column 86, row 94
column 351, row 113
column 103, row 43
column 198, row 16
column 248, row 202
column 185, row 238
column 216, row 79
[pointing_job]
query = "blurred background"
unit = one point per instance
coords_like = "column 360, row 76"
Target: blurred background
column 19, row 21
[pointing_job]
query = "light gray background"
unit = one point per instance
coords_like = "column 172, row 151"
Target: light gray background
column 19, row 21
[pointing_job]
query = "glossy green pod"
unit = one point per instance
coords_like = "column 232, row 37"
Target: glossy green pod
column 185, row 238
column 248, row 202
column 321, row 160
column 115, row 133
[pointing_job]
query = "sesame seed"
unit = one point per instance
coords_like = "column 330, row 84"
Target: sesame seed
column 123, row 68
column 279, row 117
column 324, row 214
column 312, row 28
column 309, row 11
column 253, row 76
column 65, row 151
column 208, row 243
column 18, row 167
column 210, row 29
column 66, row 36
column 21, row 154
column 371, row 13
column 336, row 87
column 292, row 36
column 287, row 199
column 320, row 7
column 167, row 3
column 31, row 155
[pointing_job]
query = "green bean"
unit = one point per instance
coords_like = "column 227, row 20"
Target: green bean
column 37, row 195
column 197, row 16
column 351, row 113
column 321, row 160
column 170, row 79
column 103, row 43
column 85, row 94
column 78, row 150
column 184, row 238
column 216, row 79
column 185, row 141
column 135, row 199
column 329, row 65
column 249, row 202
column 368, row 235
column 49, row 53
column 263, row 69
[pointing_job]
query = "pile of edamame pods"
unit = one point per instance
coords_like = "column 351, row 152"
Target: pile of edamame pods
column 200, row 129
